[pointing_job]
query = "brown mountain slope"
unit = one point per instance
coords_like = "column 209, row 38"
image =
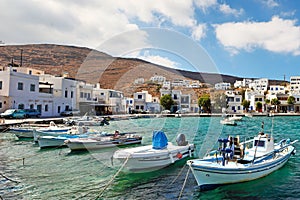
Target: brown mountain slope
column 94, row 66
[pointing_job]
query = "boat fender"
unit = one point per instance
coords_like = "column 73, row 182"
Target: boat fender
column 179, row 155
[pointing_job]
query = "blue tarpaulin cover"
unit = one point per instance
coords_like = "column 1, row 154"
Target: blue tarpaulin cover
column 159, row 140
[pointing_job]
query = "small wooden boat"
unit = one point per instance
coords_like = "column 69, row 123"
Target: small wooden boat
column 102, row 142
column 229, row 122
column 234, row 163
column 156, row 156
column 55, row 141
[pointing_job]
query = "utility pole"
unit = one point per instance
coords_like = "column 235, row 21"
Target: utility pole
column 21, row 58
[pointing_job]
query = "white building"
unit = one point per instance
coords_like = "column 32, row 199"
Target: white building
column 234, row 102
column 254, row 97
column 158, row 79
column 260, row 85
column 21, row 91
column 64, row 93
column 143, row 101
column 243, row 83
column 295, row 84
column 222, row 86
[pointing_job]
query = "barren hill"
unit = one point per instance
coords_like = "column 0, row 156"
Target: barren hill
column 95, row 67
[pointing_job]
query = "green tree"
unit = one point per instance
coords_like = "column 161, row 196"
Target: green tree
column 291, row 100
column 259, row 106
column 275, row 102
column 204, row 102
column 167, row 102
column 246, row 104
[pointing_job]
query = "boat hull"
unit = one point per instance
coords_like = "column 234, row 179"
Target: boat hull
column 90, row 144
column 46, row 142
column 211, row 175
column 144, row 159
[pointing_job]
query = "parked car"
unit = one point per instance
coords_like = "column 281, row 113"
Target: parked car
column 181, row 111
column 70, row 112
column 13, row 113
column 32, row 113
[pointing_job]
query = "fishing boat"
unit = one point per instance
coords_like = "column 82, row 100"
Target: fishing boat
column 156, row 156
column 234, row 162
column 55, row 141
column 56, row 131
column 102, row 142
column 227, row 121
column 27, row 130
column 235, row 117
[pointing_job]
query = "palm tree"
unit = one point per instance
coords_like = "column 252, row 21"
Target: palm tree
column 275, row 102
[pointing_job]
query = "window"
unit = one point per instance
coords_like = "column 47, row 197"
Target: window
column 140, row 96
column 21, row 106
column 20, row 86
column 81, row 94
column 175, row 96
column 66, row 93
column 30, row 72
column 259, row 143
column 72, row 94
column 46, row 107
column 0, row 104
column 0, row 85
column 32, row 87
column 58, row 109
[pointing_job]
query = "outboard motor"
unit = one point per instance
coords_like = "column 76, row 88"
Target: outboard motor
column 181, row 140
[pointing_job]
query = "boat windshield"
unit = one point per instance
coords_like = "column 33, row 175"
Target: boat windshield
column 259, row 143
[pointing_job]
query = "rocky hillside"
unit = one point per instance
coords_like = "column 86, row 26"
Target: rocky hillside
column 94, row 66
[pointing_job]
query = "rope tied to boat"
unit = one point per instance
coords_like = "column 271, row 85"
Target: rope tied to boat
column 111, row 180
column 184, row 183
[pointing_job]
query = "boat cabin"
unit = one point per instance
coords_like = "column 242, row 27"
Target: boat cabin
column 262, row 144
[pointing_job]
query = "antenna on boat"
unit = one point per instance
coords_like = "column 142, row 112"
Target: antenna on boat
column 262, row 126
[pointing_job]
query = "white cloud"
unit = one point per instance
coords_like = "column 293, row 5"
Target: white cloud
column 198, row 32
column 159, row 60
column 278, row 35
column 226, row 9
column 270, row 3
column 205, row 4
column 89, row 23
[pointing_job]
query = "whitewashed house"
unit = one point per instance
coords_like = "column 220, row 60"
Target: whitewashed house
column 295, row 84
column 260, row 85
column 158, row 79
column 234, row 102
column 254, row 97
column 242, row 83
column 64, row 93
column 20, row 88
column 222, row 86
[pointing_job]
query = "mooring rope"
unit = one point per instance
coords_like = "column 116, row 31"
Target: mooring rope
column 9, row 179
column 111, row 180
column 186, row 177
column 178, row 174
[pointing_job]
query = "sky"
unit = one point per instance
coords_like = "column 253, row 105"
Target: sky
column 250, row 39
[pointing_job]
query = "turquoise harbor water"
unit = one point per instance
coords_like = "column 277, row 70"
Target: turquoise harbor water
column 58, row 174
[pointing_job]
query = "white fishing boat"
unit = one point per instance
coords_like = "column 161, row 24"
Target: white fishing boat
column 56, row 131
column 233, row 162
column 227, row 121
column 156, row 156
column 55, row 141
column 24, row 130
column 102, row 142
